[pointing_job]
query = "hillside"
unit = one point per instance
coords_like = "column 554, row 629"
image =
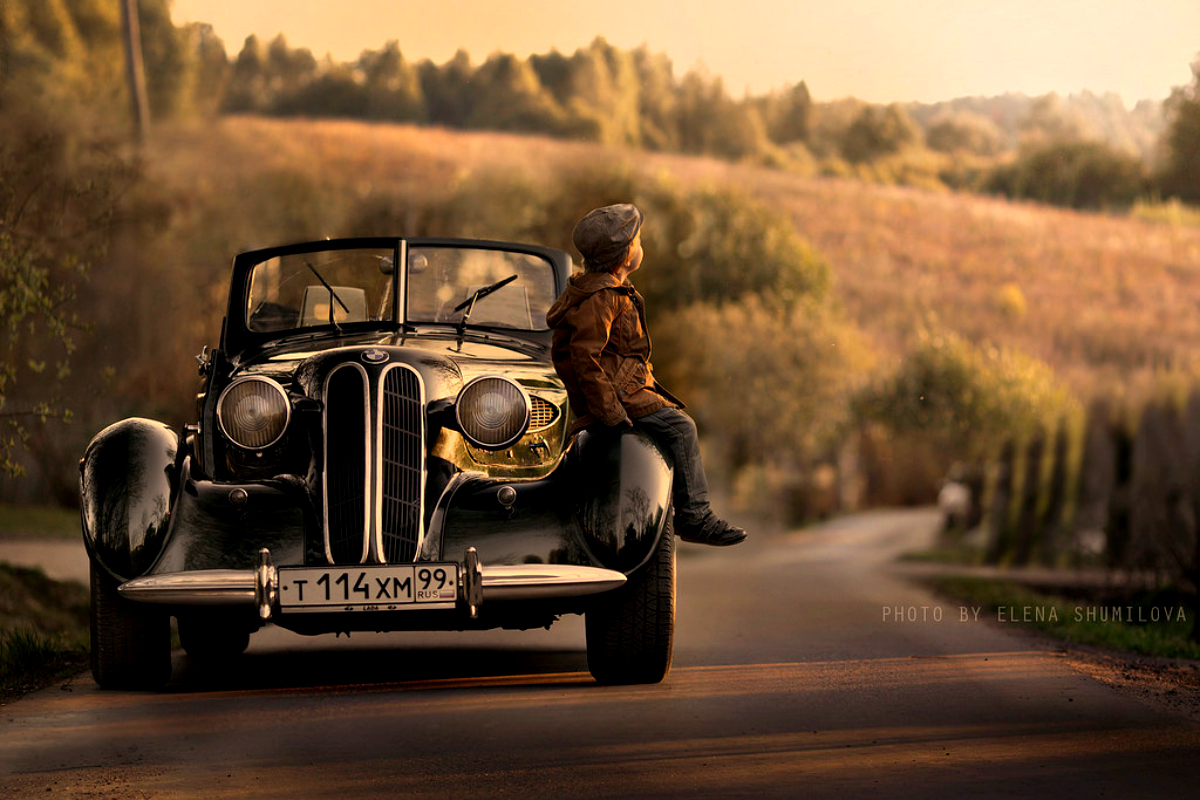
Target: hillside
column 1106, row 300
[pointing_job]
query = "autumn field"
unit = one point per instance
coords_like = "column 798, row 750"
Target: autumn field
column 1108, row 301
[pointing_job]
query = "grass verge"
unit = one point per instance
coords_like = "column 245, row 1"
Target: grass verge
column 950, row 556
column 1172, row 212
column 1154, row 624
column 51, row 522
column 43, row 630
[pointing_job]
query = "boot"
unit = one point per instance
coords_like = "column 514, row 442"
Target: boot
column 712, row 530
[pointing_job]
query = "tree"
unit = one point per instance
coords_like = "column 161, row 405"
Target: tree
column 722, row 247
column 554, row 71
column 70, row 53
column 877, row 132
column 287, row 71
column 1072, row 174
column 247, row 90
column 788, row 114
column 447, row 90
column 1051, row 121
column 767, row 385
column 1180, row 176
column 507, row 96
column 963, row 399
column 335, row 91
column 392, row 85
column 711, row 122
column 657, row 100
column 964, row 132
column 209, row 67
column 58, row 195
column 603, row 93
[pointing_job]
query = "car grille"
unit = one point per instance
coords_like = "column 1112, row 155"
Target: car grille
column 383, row 525
column 402, row 453
column 346, row 455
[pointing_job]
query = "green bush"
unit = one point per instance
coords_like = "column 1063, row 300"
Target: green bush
column 766, row 385
column 728, row 247
column 877, row 132
column 964, row 398
column 964, row 132
column 1072, row 174
column 1180, row 173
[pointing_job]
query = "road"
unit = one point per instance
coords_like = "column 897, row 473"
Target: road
column 788, row 682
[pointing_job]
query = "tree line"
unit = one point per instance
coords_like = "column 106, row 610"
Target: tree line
column 1083, row 151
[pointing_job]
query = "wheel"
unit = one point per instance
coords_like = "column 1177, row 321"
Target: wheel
column 213, row 637
column 630, row 637
column 131, row 642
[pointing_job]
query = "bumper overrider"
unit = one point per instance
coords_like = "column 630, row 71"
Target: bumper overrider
column 476, row 585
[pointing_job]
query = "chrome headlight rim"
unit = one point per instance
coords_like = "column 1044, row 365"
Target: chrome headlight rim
column 287, row 411
column 521, row 429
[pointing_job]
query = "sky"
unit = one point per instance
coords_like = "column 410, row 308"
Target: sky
column 875, row 50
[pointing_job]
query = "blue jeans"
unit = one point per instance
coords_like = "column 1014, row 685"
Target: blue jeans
column 675, row 432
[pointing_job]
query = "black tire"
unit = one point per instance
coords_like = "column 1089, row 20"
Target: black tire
column 213, row 638
column 630, row 636
column 131, row 642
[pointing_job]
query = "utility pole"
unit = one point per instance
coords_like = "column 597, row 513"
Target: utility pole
column 133, row 68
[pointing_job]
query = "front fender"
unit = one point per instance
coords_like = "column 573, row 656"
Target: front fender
column 127, row 481
column 623, row 481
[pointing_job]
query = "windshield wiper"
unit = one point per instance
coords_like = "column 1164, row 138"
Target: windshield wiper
column 475, row 297
column 332, row 296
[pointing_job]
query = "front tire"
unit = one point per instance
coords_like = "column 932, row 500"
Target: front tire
column 131, row 642
column 630, row 637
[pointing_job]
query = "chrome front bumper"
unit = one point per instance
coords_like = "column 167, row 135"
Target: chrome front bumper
column 480, row 584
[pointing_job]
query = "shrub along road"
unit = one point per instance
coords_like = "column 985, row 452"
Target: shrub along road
column 805, row 665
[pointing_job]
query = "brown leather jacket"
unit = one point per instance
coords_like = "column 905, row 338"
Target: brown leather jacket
column 601, row 350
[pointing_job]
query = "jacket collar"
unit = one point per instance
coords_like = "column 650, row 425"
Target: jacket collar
column 592, row 282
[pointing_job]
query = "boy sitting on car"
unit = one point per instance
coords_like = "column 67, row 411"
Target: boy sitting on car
column 601, row 350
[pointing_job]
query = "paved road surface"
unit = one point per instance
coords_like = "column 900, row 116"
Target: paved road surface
column 788, row 682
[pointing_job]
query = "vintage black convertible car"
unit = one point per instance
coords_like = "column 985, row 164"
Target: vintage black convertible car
column 382, row 445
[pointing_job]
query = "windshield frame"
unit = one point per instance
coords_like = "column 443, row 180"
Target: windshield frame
column 237, row 336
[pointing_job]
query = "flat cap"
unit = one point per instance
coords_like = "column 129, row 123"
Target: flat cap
column 603, row 235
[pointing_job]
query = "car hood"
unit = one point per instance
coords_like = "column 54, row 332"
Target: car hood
column 444, row 361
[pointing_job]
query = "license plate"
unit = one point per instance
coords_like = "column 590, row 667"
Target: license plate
column 368, row 588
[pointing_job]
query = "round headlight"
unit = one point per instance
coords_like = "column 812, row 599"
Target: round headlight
column 492, row 412
column 253, row 412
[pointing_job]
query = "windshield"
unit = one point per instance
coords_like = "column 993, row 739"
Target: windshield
column 310, row 290
column 491, row 288
column 443, row 280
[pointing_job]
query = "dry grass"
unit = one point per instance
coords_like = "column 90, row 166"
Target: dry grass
column 1109, row 301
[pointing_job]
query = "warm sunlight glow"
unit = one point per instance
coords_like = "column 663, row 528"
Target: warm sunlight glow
column 877, row 50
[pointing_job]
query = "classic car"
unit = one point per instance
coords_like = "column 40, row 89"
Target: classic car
column 382, row 444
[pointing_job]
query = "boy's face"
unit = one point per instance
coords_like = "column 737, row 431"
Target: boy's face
column 635, row 254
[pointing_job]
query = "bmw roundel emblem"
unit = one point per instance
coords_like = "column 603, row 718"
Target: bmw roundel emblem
column 373, row 356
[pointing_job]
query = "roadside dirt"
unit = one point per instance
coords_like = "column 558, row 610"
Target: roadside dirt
column 1166, row 684
column 1169, row 684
